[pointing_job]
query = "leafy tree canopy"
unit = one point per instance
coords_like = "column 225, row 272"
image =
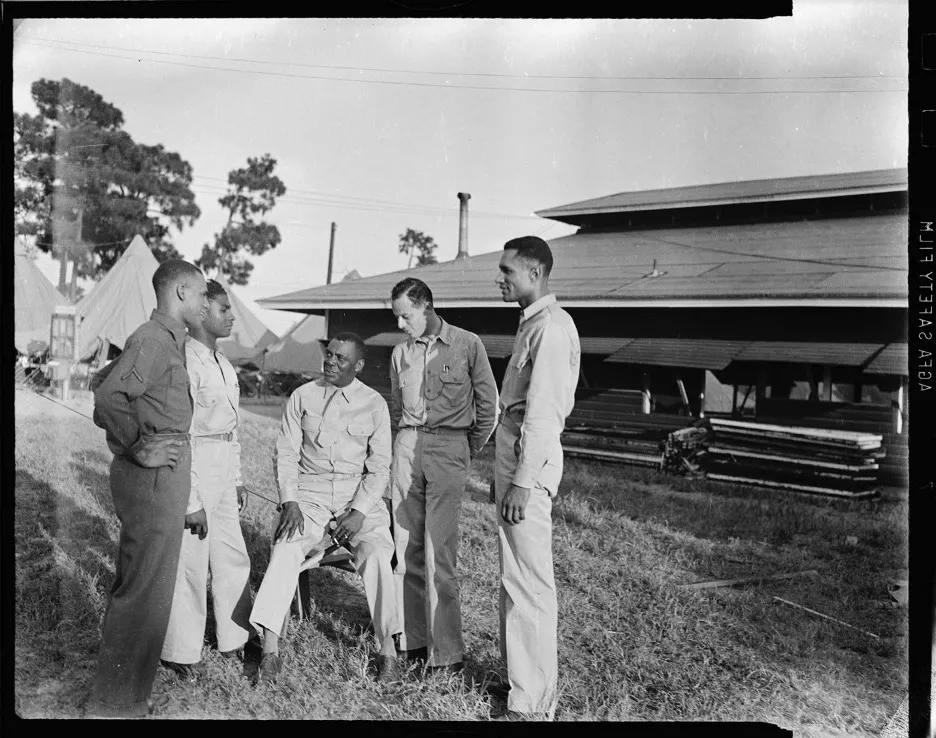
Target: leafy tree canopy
column 418, row 244
column 83, row 185
column 252, row 192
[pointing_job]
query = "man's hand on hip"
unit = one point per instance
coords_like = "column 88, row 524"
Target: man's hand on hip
column 348, row 525
column 513, row 506
column 197, row 522
column 159, row 452
column 290, row 521
column 243, row 495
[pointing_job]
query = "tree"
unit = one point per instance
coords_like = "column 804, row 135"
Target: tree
column 252, row 191
column 84, row 187
column 418, row 243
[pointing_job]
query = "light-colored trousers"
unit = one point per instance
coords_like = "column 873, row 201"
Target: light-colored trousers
column 222, row 551
column 427, row 482
column 321, row 500
column 528, row 605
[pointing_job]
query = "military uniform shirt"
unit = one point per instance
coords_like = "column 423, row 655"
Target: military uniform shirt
column 445, row 381
column 334, row 433
column 538, row 391
column 216, row 398
column 146, row 389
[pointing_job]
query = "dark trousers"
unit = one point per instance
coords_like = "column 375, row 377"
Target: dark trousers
column 150, row 504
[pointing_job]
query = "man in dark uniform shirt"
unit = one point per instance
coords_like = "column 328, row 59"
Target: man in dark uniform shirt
column 144, row 405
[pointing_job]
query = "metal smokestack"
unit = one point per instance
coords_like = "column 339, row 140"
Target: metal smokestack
column 463, row 198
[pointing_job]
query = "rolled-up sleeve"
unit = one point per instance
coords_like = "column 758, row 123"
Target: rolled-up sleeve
column 286, row 452
column 550, row 384
column 376, row 477
column 133, row 373
column 485, row 398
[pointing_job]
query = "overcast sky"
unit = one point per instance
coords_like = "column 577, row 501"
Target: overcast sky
column 380, row 151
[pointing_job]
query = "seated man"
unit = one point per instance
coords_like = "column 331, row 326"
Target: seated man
column 332, row 461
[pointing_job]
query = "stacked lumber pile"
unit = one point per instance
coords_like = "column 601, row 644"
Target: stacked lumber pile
column 635, row 446
column 818, row 460
column 684, row 449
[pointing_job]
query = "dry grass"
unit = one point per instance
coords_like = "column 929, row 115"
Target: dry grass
column 633, row 644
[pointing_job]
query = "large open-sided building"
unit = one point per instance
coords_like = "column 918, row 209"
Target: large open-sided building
column 757, row 298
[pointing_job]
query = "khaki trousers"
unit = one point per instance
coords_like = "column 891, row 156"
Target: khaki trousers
column 427, row 482
column 372, row 546
column 528, row 605
column 223, row 552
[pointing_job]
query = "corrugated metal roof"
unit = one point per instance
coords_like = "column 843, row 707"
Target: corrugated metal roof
column 862, row 258
column 498, row 346
column 687, row 352
column 386, row 339
column 794, row 352
column 601, row 345
column 725, row 193
column 893, row 359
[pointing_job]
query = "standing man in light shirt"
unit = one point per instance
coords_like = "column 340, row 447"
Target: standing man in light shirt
column 444, row 398
column 332, row 463
column 537, row 395
column 218, row 496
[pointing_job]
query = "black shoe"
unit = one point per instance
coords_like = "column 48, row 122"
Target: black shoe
column 498, row 688
column 270, row 667
column 388, row 669
column 189, row 672
column 239, row 653
column 447, row 668
column 417, row 656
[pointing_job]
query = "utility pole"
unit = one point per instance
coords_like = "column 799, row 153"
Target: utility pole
column 328, row 277
column 331, row 253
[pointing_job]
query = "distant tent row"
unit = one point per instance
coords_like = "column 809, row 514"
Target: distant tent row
column 34, row 300
column 124, row 299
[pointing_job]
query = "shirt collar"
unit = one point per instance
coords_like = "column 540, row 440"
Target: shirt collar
column 177, row 329
column 534, row 307
column 444, row 335
column 201, row 350
column 346, row 392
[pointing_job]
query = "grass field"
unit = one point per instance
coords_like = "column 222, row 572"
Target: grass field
column 633, row 644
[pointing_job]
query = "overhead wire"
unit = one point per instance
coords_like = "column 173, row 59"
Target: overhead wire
column 463, row 87
column 385, row 70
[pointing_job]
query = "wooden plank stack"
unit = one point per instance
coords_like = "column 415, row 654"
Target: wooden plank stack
column 818, row 460
column 637, row 447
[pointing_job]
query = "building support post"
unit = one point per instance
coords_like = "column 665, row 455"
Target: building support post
column 827, row 383
column 682, row 392
column 645, row 377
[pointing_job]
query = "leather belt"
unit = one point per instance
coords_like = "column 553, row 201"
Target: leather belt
column 216, row 437
column 438, row 431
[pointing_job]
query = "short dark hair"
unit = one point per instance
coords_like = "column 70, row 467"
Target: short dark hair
column 532, row 248
column 416, row 290
column 349, row 337
column 172, row 272
column 215, row 289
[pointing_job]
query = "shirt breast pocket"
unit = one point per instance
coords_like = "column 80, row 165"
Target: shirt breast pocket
column 310, row 427
column 360, row 429
column 208, row 397
column 455, row 387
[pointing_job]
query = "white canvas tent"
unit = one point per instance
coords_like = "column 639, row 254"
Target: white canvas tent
column 250, row 336
column 34, row 299
column 299, row 351
column 120, row 303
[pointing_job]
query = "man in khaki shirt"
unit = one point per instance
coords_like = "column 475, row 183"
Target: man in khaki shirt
column 332, row 462
column 537, row 396
column 444, row 399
